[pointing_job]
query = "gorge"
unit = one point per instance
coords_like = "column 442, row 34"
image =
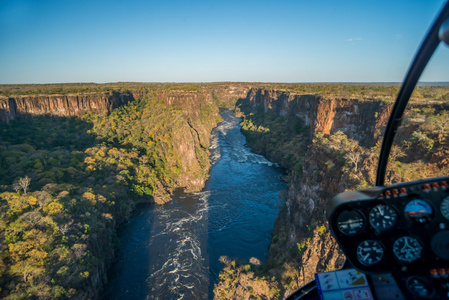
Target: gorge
column 329, row 144
column 139, row 143
column 173, row 252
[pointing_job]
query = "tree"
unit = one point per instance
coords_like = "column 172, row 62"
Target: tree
column 354, row 157
column 440, row 124
column 395, row 153
column 22, row 184
column 393, row 164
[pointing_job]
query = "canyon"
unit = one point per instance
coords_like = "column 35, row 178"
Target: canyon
column 105, row 151
column 199, row 116
column 308, row 133
column 313, row 136
column 305, row 208
column 301, row 243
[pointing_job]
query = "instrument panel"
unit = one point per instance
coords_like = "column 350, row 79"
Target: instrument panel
column 401, row 229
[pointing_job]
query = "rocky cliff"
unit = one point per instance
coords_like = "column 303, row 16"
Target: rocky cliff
column 200, row 114
column 199, row 106
column 192, row 138
column 301, row 242
column 18, row 107
column 361, row 120
column 96, row 168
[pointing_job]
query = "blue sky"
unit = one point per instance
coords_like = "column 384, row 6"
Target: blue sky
column 206, row 41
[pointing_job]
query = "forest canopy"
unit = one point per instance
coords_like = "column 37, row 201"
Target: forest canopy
column 65, row 184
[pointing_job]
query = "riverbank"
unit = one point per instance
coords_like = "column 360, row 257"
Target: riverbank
column 174, row 250
column 86, row 175
column 328, row 144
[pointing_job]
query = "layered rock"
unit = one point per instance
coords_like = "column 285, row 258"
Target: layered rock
column 358, row 119
column 301, row 225
column 199, row 116
column 19, row 107
column 192, row 139
column 183, row 121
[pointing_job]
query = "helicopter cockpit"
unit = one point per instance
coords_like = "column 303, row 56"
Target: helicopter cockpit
column 395, row 235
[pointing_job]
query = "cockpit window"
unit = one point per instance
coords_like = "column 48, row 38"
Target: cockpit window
column 421, row 145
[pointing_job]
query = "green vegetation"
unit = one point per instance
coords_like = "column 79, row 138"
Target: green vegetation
column 57, row 233
column 66, row 183
column 325, row 164
column 281, row 139
column 423, row 153
column 386, row 92
column 382, row 91
column 302, row 246
column 136, row 87
column 243, row 281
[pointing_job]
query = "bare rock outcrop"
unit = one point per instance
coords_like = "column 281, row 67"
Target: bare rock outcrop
column 20, row 107
column 358, row 119
column 301, row 225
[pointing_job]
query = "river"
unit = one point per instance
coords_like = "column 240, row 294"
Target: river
column 173, row 251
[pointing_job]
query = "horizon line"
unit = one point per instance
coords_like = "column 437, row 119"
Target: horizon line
column 241, row 82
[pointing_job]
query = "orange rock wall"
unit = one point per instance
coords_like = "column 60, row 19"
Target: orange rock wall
column 19, row 107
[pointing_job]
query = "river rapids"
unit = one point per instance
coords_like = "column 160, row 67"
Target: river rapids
column 173, row 251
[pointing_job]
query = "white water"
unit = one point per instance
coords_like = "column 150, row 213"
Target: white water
column 172, row 251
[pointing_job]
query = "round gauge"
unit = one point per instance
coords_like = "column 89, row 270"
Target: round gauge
column 370, row 252
column 419, row 211
column 440, row 245
column 419, row 287
column 407, row 249
column 444, row 207
column 350, row 222
column 383, row 217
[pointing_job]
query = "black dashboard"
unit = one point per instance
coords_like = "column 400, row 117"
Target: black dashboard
column 402, row 229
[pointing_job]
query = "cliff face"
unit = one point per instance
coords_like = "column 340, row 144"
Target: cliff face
column 305, row 215
column 194, row 133
column 60, row 105
column 192, row 138
column 301, row 225
column 359, row 120
column 190, row 142
column 106, row 163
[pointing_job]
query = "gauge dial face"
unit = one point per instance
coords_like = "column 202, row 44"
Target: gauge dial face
column 350, row 222
column 419, row 287
column 419, row 211
column 370, row 252
column 383, row 217
column 407, row 249
column 444, row 207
